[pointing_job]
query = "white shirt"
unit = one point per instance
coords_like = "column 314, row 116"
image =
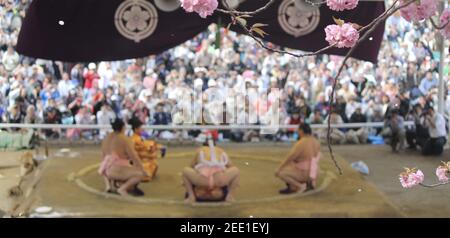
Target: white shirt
column 105, row 117
column 439, row 130
column 64, row 87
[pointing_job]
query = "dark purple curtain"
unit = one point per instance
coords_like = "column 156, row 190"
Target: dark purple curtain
column 89, row 32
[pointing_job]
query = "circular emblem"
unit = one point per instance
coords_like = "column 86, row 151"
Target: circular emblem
column 136, row 19
column 298, row 19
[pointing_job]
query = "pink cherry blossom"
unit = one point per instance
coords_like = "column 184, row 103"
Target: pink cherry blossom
column 188, row 5
column 411, row 178
column 341, row 5
column 441, row 173
column 343, row 36
column 203, row 7
column 418, row 10
column 445, row 17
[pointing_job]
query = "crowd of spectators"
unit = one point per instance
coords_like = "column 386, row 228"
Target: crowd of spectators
column 402, row 83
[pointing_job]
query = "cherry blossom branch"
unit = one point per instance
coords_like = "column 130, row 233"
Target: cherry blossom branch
column 263, row 45
column 413, row 176
column 373, row 25
column 366, row 31
column 274, row 50
column 436, row 25
column 434, row 185
column 228, row 10
column 379, row 17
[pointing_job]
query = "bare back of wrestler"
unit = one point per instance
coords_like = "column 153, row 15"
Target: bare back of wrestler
column 300, row 167
column 212, row 183
column 117, row 152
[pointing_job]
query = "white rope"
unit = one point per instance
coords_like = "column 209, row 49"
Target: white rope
column 197, row 127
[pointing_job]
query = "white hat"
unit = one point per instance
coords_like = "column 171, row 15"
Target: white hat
column 200, row 69
column 212, row 83
column 92, row 66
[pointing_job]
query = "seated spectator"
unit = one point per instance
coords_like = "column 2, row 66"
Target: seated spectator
column 161, row 117
column 428, row 83
column 337, row 136
column 13, row 115
column 294, row 119
column 404, row 104
column 105, row 117
column 52, row 116
column 84, row 117
column 303, row 109
column 395, row 130
column 357, row 135
column 315, row 118
column 31, row 116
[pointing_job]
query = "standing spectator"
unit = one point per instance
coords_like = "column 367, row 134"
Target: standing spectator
column 438, row 134
column 89, row 77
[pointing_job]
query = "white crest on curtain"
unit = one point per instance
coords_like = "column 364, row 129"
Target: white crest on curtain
column 136, row 19
column 298, row 18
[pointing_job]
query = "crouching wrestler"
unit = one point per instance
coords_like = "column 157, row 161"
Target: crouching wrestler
column 299, row 170
column 121, row 164
column 147, row 149
column 211, row 176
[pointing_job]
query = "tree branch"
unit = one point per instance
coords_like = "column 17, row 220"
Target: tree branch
column 438, row 27
column 434, row 185
column 373, row 25
column 366, row 31
column 228, row 10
